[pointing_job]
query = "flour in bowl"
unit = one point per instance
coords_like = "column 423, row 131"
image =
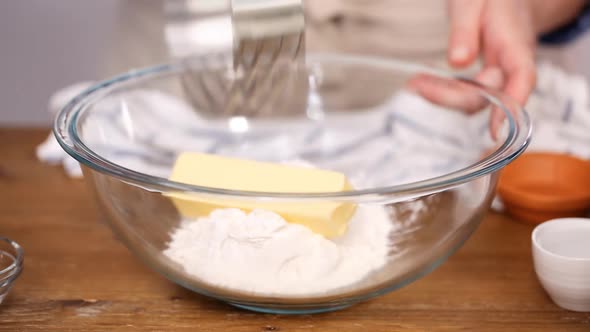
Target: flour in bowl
column 259, row 252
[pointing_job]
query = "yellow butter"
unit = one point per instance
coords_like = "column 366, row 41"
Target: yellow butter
column 328, row 218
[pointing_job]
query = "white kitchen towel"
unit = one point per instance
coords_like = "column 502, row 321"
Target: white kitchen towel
column 559, row 108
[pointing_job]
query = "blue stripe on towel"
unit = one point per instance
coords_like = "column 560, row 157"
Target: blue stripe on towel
column 567, row 112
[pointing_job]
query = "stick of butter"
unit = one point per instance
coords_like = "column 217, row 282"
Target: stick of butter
column 329, row 218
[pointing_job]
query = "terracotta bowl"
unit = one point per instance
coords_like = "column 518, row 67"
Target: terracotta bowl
column 541, row 186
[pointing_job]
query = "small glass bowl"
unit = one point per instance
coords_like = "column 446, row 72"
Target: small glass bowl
column 11, row 265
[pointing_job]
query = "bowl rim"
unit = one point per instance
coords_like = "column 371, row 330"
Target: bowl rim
column 556, row 222
column 532, row 200
column 517, row 138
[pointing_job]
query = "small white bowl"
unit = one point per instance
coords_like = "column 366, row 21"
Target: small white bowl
column 561, row 254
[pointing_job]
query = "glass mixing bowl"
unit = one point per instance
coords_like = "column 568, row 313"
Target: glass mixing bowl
column 414, row 142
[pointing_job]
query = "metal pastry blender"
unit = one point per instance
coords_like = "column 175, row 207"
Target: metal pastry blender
column 268, row 39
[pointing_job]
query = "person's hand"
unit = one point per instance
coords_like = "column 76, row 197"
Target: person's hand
column 503, row 33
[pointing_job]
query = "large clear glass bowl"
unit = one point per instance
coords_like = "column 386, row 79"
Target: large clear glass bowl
column 414, row 142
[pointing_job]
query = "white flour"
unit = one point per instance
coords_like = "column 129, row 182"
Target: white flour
column 261, row 253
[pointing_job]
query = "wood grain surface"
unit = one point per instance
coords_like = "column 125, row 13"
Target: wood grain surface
column 77, row 277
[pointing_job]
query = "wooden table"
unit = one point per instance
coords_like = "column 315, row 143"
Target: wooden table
column 78, row 277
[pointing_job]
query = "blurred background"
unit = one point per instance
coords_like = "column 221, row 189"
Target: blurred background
column 47, row 45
